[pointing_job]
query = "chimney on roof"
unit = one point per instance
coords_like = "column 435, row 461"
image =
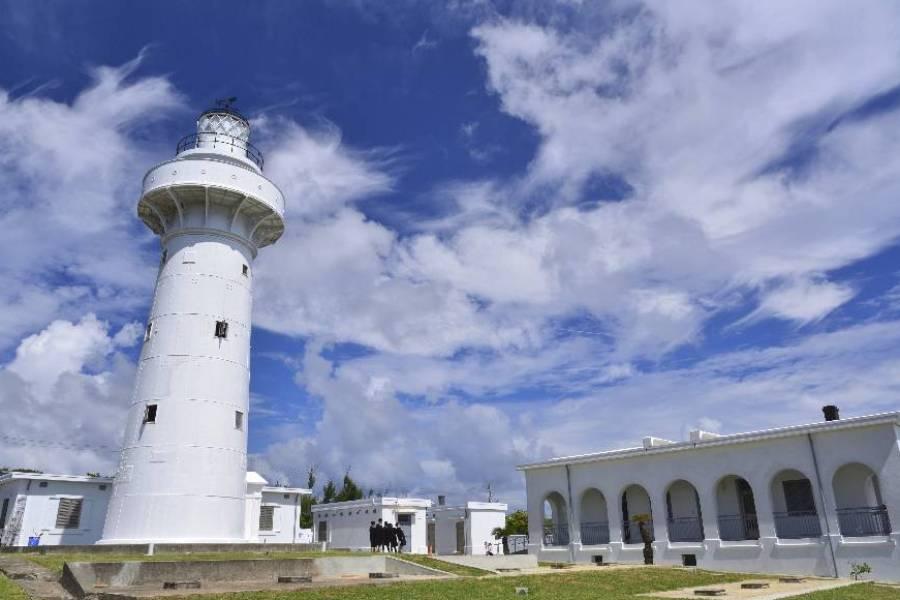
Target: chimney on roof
column 831, row 412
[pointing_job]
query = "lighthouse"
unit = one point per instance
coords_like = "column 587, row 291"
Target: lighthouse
column 182, row 470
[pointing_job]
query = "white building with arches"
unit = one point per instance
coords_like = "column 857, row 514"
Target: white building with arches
column 809, row 499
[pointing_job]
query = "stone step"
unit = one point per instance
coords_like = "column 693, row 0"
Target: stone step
column 294, row 579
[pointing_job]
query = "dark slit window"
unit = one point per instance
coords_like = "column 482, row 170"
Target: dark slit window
column 221, row 329
column 150, row 414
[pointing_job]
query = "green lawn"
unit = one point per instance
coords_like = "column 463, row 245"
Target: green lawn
column 55, row 561
column 863, row 591
column 10, row 591
column 580, row 585
column 441, row 565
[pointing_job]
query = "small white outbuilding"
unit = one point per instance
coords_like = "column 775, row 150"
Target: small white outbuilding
column 55, row 510
column 52, row 510
column 346, row 524
column 468, row 529
column 272, row 513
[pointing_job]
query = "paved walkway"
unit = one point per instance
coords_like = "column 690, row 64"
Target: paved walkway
column 775, row 591
column 38, row 582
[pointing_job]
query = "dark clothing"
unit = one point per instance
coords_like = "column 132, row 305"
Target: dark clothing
column 379, row 536
column 401, row 539
column 389, row 536
column 373, row 537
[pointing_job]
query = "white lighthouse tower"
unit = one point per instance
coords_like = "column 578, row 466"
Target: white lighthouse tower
column 181, row 476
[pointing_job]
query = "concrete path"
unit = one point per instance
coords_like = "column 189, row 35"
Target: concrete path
column 38, row 582
column 521, row 562
column 775, row 591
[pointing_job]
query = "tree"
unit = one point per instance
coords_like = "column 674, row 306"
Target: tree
column 643, row 522
column 329, row 492
column 307, row 502
column 516, row 524
column 349, row 490
column 5, row 470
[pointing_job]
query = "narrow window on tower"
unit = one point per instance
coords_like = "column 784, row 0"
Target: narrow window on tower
column 149, row 331
column 238, row 420
column 245, row 270
column 150, row 414
column 221, row 329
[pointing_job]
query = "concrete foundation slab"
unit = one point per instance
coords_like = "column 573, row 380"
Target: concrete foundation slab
column 135, row 578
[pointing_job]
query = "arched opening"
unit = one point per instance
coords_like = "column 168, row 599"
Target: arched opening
column 594, row 519
column 683, row 519
column 556, row 521
column 860, row 509
column 794, row 506
column 635, row 502
column 736, row 509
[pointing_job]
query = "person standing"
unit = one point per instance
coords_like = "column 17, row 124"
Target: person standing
column 372, row 536
column 401, row 539
column 389, row 536
column 379, row 536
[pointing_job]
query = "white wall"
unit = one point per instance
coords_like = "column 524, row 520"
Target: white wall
column 481, row 524
column 42, row 505
column 348, row 522
column 479, row 520
column 285, row 520
column 759, row 462
column 445, row 520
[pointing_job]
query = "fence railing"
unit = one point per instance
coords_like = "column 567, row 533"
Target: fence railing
column 738, row 527
column 517, row 544
column 593, row 533
column 631, row 532
column 685, row 529
column 224, row 141
column 797, row 524
column 864, row 521
column 556, row 535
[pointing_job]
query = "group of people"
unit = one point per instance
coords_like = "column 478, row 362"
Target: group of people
column 386, row 537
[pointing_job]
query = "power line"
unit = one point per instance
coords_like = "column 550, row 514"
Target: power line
column 35, row 443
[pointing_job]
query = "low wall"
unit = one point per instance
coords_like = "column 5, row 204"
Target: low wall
column 82, row 578
column 164, row 548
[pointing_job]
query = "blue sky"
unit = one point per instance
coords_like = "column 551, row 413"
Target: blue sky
column 514, row 230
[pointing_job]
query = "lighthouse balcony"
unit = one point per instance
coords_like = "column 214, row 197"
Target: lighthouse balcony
column 194, row 191
column 221, row 143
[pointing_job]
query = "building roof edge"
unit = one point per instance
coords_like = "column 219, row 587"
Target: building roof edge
column 727, row 439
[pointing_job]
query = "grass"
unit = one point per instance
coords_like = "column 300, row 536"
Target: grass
column 441, row 565
column 580, row 585
column 624, row 584
column 55, row 561
column 863, row 591
column 10, row 591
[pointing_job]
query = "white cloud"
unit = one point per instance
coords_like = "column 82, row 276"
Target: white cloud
column 63, row 398
column 804, row 301
column 317, row 173
column 72, row 172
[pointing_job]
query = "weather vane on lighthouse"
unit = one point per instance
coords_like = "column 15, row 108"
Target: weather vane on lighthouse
column 182, row 470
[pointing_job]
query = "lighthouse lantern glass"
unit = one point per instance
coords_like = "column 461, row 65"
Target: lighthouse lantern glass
column 224, row 123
